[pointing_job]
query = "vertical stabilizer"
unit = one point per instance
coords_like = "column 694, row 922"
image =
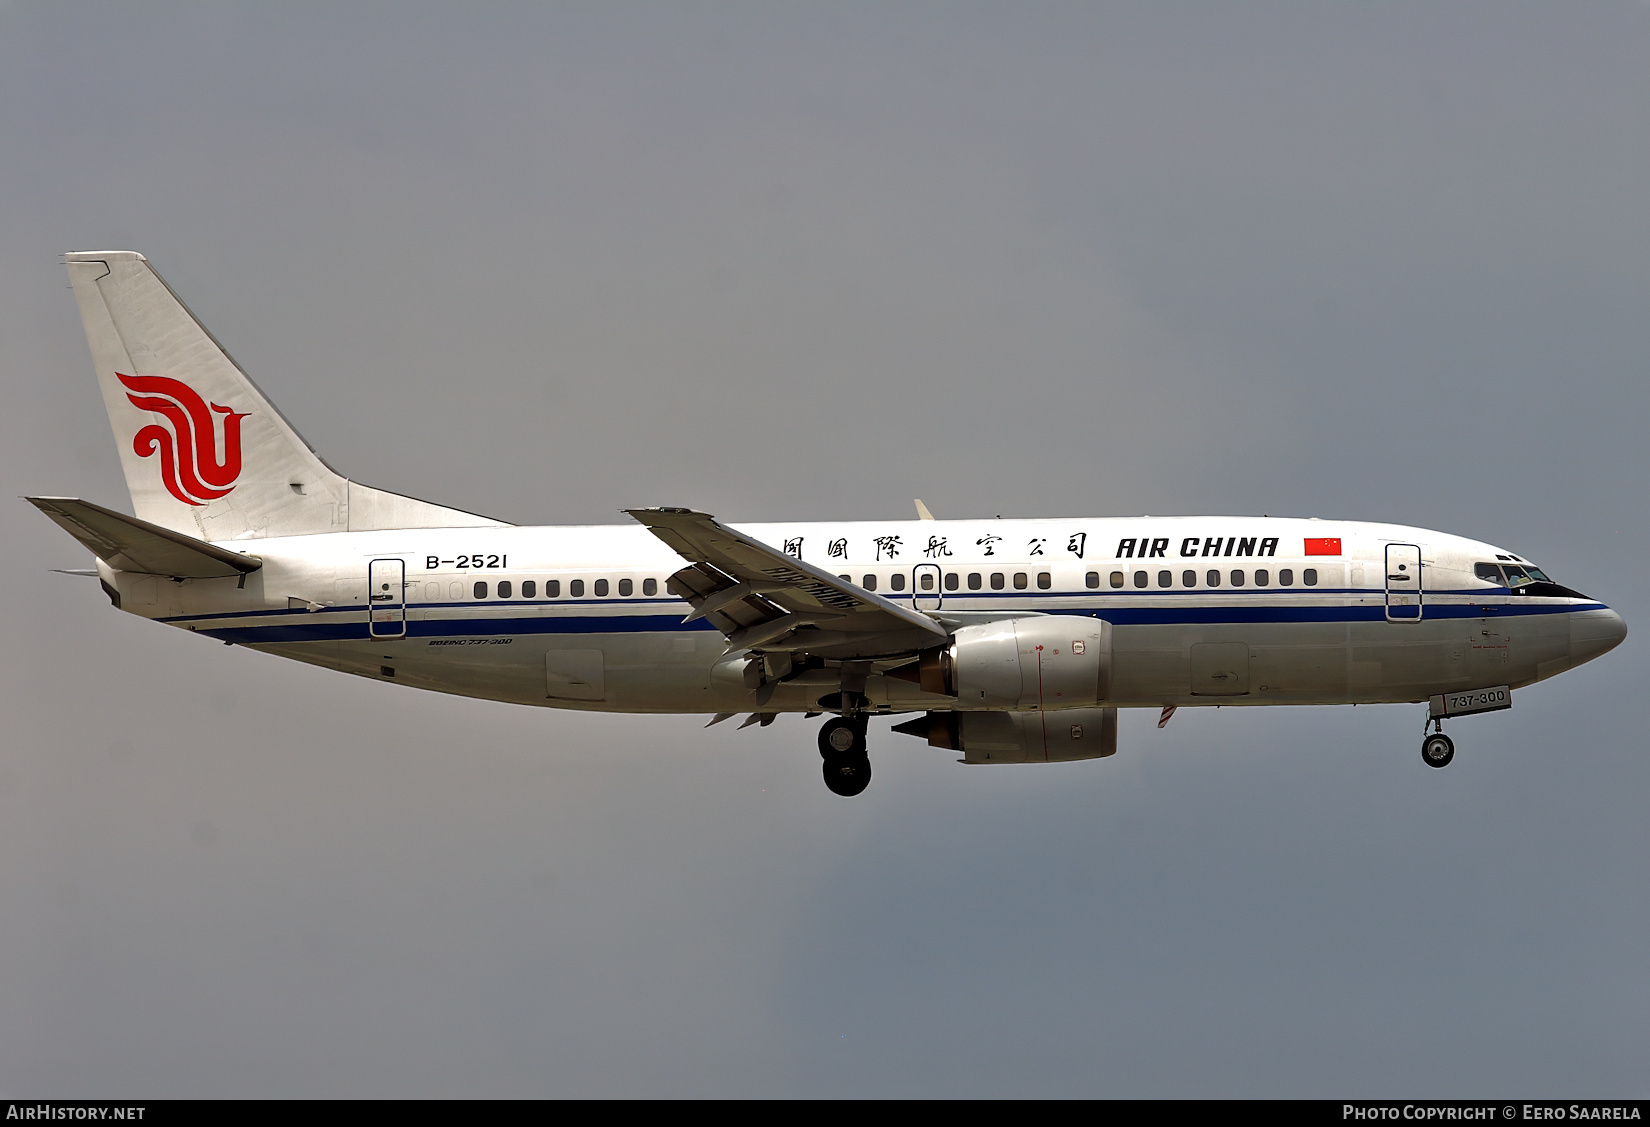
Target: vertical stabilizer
column 204, row 452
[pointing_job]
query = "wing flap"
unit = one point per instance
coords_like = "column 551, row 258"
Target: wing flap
column 721, row 600
column 129, row 544
column 762, row 599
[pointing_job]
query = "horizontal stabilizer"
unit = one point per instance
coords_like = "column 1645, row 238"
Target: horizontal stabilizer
column 129, row 544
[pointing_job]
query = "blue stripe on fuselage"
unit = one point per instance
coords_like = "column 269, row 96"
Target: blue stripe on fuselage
column 303, row 626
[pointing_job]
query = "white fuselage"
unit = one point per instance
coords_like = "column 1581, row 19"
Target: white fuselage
column 1204, row 610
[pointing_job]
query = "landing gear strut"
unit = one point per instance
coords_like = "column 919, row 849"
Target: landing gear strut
column 1437, row 749
column 847, row 767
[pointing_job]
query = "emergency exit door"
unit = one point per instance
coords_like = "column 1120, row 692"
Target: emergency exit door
column 925, row 587
column 1403, row 583
column 386, row 599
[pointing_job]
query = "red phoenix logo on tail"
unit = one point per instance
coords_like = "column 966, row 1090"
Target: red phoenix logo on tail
column 189, row 462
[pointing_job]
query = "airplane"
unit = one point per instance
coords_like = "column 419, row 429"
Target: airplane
column 1007, row 641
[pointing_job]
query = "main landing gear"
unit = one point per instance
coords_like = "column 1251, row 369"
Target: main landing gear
column 1437, row 749
column 847, row 767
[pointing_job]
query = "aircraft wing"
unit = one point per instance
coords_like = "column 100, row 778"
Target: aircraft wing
column 129, row 544
column 764, row 600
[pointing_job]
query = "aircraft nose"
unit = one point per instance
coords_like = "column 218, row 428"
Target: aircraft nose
column 1595, row 632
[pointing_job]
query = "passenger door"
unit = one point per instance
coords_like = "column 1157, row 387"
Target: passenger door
column 1403, row 583
column 386, row 599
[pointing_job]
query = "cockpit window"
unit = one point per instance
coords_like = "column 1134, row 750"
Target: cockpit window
column 1525, row 579
column 1515, row 576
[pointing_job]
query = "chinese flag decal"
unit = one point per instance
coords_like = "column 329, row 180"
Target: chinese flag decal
column 1324, row 546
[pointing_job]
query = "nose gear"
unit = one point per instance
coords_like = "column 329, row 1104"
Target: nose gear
column 1437, row 750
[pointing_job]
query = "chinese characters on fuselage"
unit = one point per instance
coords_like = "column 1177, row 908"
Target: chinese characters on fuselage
column 887, row 548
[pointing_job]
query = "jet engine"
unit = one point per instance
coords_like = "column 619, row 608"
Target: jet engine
column 1020, row 737
column 1040, row 662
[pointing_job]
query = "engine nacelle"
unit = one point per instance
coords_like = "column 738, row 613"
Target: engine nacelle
column 1041, row 662
column 1021, row 737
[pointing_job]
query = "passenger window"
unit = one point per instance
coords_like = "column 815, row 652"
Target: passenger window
column 1213, row 577
column 1019, row 581
column 1237, row 578
column 1044, row 581
column 1139, row 579
column 1091, row 580
column 1187, row 579
column 1311, row 576
column 601, row 587
column 1488, row 572
column 869, row 582
column 455, row 591
column 1286, row 577
column 996, row 581
column 1117, row 579
column 1262, row 577
column 627, row 587
column 927, row 581
column 504, row 588
column 951, row 581
column 481, row 589
column 575, row 588
column 552, row 588
column 973, row 581
column 845, row 579
column 650, row 586
column 529, row 589
column 897, row 581
column 1165, row 579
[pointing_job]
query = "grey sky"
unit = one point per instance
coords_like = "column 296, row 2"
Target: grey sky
column 1382, row 262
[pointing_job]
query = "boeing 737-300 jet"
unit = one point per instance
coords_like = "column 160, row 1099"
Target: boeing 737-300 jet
column 1009, row 641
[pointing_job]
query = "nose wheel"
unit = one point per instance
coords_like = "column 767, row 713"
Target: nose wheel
column 847, row 767
column 1437, row 750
